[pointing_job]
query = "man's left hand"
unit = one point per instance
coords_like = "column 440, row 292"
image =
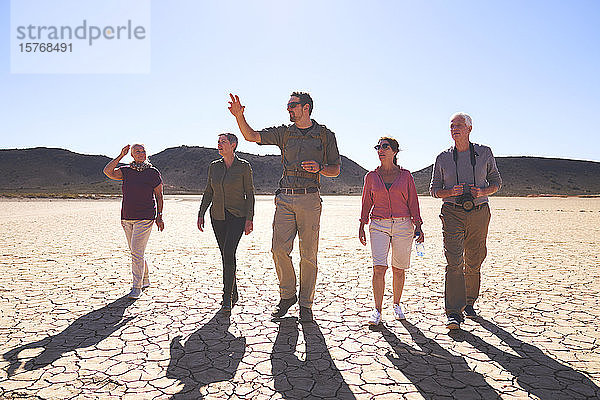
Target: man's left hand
column 160, row 224
column 248, row 227
column 477, row 192
column 311, row 166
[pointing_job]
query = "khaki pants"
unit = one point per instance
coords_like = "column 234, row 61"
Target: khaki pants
column 465, row 236
column 296, row 213
column 138, row 233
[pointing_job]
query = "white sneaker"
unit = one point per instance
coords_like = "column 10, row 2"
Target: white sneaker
column 398, row 312
column 135, row 293
column 375, row 318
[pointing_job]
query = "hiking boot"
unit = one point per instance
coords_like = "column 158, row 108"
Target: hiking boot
column 135, row 293
column 375, row 318
column 398, row 312
column 283, row 307
column 470, row 312
column 306, row 314
column 454, row 321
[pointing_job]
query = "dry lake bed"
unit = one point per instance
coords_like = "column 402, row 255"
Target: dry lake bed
column 68, row 332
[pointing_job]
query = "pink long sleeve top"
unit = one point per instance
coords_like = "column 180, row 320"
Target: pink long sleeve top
column 400, row 201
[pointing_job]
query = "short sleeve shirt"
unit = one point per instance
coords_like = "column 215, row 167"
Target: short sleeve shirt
column 301, row 146
column 138, row 193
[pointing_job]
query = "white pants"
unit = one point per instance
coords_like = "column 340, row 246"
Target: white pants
column 397, row 232
column 138, row 233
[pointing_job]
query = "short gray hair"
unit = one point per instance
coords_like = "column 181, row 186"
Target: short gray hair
column 138, row 144
column 466, row 117
column 231, row 138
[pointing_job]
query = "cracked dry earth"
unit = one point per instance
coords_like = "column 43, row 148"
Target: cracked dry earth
column 67, row 332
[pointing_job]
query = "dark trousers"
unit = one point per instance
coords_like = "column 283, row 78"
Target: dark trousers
column 228, row 233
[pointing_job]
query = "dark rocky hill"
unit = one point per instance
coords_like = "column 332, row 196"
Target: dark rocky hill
column 533, row 176
column 48, row 170
column 184, row 169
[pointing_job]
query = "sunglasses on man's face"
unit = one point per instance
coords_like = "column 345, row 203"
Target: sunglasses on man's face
column 293, row 104
column 382, row 146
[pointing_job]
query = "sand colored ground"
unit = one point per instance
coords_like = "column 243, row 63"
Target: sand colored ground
column 66, row 331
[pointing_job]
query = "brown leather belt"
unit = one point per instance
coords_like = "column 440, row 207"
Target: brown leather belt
column 460, row 207
column 296, row 190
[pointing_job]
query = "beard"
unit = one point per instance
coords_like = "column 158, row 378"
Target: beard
column 292, row 116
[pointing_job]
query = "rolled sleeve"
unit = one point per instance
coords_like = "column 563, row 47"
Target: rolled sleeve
column 273, row 135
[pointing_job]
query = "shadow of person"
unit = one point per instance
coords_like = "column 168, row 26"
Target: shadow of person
column 433, row 370
column 316, row 376
column 536, row 373
column 211, row 354
column 87, row 330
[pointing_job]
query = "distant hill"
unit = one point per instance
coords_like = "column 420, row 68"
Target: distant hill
column 532, row 176
column 48, row 170
column 184, row 169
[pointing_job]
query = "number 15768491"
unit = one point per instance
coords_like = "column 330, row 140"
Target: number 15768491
column 46, row 47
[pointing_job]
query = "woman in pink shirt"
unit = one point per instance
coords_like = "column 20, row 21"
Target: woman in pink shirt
column 389, row 199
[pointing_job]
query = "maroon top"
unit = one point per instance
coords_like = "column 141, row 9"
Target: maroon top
column 138, row 192
column 400, row 201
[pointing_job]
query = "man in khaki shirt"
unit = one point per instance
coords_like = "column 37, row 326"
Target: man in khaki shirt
column 308, row 150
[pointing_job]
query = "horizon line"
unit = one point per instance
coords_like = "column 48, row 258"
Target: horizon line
column 278, row 155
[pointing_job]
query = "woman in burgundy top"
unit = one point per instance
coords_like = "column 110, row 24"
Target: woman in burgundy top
column 389, row 199
column 142, row 207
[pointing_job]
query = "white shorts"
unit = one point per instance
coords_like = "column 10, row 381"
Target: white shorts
column 399, row 233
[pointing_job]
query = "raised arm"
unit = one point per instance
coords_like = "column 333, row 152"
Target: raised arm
column 237, row 110
column 111, row 169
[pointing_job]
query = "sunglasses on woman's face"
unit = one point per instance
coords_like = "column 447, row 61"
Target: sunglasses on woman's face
column 382, row 146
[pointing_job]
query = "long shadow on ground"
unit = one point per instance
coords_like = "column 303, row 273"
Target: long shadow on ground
column 535, row 372
column 433, row 370
column 211, row 354
column 87, row 330
column 315, row 377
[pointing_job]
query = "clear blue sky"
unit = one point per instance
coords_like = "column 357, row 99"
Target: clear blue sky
column 527, row 72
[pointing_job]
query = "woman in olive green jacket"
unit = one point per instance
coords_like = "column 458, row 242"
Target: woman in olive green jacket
column 231, row 191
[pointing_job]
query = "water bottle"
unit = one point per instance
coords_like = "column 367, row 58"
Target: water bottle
column 419, row 247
